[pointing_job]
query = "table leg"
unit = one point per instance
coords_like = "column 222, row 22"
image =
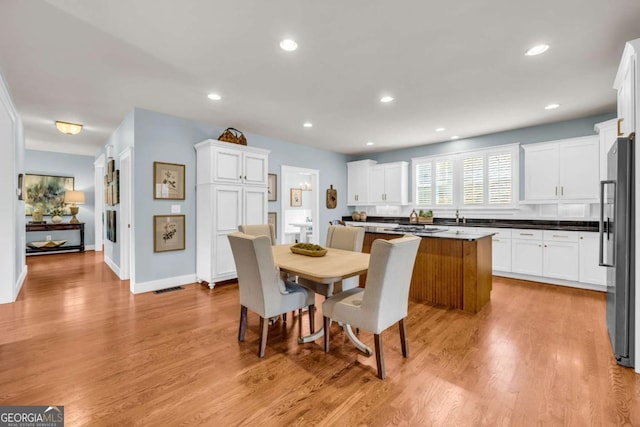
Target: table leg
column 359, row 344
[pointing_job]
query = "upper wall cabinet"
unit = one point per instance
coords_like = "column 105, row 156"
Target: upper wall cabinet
column 389, row 183
column 224, row 163
column 607, row 133
column 562, row 171
column 358, row 175
column 626, row 85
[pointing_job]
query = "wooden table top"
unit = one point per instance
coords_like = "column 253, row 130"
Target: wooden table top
column 334, row 266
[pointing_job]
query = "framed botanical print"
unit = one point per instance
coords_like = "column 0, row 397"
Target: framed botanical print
column 296, row 197
column 168, row 233
column 168, row 181
column 272, row 187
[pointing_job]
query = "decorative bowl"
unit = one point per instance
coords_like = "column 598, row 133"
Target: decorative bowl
column 308, row 249
column 47, row 244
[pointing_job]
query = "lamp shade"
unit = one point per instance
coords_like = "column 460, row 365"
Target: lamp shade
column 74, row 197
column 68, row 128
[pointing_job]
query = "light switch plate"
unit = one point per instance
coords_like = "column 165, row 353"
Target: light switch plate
column 175, row 208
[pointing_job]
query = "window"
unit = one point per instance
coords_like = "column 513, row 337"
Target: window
column 480, row 179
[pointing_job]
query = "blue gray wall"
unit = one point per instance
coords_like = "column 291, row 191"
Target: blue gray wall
column 81, row 169
column 164, row 138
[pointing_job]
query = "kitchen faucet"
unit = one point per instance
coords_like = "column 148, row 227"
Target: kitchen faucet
column 457, row 216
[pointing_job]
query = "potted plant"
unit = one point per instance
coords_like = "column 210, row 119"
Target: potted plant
column 425, row 216
column 56, row 214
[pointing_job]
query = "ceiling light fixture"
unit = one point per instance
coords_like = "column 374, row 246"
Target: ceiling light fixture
column 308, row 125
column 369, row 143
column 288, row 45
column 214, row 96
column 440, row 129
column 551, row 106
column 386, row 99
column 537, row 50
column 68, row 128
column 455, row 137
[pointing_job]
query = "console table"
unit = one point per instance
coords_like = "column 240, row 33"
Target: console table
column 57, row 227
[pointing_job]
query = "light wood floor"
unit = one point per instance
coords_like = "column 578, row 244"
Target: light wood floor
column 536, row 355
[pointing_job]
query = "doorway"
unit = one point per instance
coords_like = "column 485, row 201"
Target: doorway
column 300, row 206
column 126, row 214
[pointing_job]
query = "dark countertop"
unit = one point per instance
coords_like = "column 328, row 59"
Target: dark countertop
column 535, row 224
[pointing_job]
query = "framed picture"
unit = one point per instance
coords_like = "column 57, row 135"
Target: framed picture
column 20, row 189
column 272, row 218
column 296, row 197
column 168, row 233
column 47, row 192
column 168, row 181
column 272, row 187
column 111, row 226
column 111, row 166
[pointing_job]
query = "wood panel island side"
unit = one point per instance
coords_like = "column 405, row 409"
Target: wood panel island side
column 452, row 269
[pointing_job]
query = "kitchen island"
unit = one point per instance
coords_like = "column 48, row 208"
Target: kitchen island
column 452, row 269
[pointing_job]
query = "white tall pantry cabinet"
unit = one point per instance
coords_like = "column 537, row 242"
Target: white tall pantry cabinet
column 231, row 189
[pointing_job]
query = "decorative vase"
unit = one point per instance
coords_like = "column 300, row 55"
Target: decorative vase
column 38, row 214
column 355, row 216
column 56, row 219
column 363, row 216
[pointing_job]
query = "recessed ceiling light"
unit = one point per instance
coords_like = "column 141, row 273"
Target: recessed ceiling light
column 369, row 143
column 288, row 45
column 455, row 137
column 537, row 50
column 551, row 106
column 440, row 129
column 308, row 125
column 214, row 96
column 386, row 99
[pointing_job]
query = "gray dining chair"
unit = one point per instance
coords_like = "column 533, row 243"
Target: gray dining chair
column 259, row 230
column 345, row 238
column 262, row 289
column 385, row 298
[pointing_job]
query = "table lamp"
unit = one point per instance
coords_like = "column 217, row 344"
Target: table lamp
column 74, row 197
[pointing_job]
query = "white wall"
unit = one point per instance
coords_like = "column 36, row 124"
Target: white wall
column 13, row 267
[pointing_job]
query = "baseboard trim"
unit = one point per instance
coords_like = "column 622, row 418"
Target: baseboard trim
column 168, row 282
column 112, row 265
column 89, row 248
column 551, row 281
column 20, row 282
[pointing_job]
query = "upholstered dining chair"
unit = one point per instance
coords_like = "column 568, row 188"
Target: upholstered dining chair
column 339, row 237
column 261, row 287
column 259, row 230
column 384, row 299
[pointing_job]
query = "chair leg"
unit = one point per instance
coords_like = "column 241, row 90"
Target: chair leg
column 403, row 338
column 284, row 317
column 379, row 356
column 299, row 313
column 327, row 328
column 243, row 323
column 264, row 327
column 312, row 318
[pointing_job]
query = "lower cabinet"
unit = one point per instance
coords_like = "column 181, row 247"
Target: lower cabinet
column 590, row 270
column 560, row 255
column 526, row 256
column 501, row 254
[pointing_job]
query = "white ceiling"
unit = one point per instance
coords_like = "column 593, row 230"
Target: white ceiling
column 457, row 65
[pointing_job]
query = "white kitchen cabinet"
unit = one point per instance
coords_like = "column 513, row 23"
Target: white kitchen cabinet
column 226, row 198
column 625, row 84
column 560, row 255
column 566, row 170
column 526, row 252
column 389, row 183
column 501, row 253
column 607, row 134
column 358, row 181
column 225, row 163
column 590, row 270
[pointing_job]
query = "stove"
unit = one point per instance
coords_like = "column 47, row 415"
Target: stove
column 416, row 229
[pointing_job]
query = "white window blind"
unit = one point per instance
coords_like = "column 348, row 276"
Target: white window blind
column 424, row 183
column 473, row 180
column 444, row 182
column 500, row 178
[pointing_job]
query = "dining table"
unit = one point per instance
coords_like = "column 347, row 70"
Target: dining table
column 333, row 267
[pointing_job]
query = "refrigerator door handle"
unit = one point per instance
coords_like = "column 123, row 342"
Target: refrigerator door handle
column 601, row 226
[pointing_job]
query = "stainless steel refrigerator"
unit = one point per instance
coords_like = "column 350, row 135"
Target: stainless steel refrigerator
column 617, row 247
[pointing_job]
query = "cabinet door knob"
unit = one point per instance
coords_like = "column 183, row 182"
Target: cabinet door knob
column 619, row 131
column 545, row 246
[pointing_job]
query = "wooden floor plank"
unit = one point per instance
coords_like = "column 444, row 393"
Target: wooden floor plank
column 535, row 355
